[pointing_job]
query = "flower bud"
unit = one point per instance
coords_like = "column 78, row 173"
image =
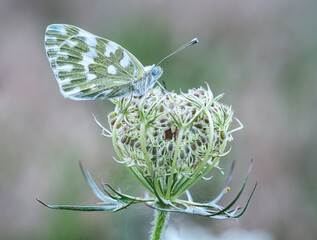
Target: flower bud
column 169, row 134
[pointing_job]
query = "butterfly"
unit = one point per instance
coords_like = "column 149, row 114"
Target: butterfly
column 89, row 67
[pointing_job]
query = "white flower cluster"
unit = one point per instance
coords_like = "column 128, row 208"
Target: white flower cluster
column 169, row 140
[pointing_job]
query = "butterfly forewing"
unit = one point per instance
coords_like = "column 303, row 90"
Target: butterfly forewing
column 89, row 67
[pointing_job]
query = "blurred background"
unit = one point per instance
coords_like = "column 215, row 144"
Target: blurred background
column 260, row 53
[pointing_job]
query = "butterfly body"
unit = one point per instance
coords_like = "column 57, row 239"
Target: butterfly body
column 150, row 77
column 89, row 67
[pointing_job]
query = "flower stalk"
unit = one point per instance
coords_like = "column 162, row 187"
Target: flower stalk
column 160, row 221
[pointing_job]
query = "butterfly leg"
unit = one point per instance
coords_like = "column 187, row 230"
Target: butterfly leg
column 164, row 84
column 164, row 89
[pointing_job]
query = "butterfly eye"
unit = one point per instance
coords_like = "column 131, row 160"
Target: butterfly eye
column 154, row 71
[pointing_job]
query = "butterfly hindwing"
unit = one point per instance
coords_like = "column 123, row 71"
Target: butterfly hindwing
column 87, row 66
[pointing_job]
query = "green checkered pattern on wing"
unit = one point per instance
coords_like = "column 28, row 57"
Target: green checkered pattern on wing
column 87, row 66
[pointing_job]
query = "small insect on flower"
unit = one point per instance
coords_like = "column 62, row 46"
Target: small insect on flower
column 89, row 67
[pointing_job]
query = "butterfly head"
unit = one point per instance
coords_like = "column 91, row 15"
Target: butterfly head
column 156, row 72
column 153, row 74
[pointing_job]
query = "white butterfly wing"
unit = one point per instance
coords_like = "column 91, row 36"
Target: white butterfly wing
column 89, row 67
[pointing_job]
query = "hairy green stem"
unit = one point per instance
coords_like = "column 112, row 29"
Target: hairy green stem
column 159, row 224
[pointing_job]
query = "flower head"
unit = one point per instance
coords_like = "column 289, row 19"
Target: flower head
column 170, row 140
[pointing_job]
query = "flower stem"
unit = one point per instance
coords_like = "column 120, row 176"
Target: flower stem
column 160, row 222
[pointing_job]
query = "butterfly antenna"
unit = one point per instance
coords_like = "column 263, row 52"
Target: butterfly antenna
column 192, row 42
